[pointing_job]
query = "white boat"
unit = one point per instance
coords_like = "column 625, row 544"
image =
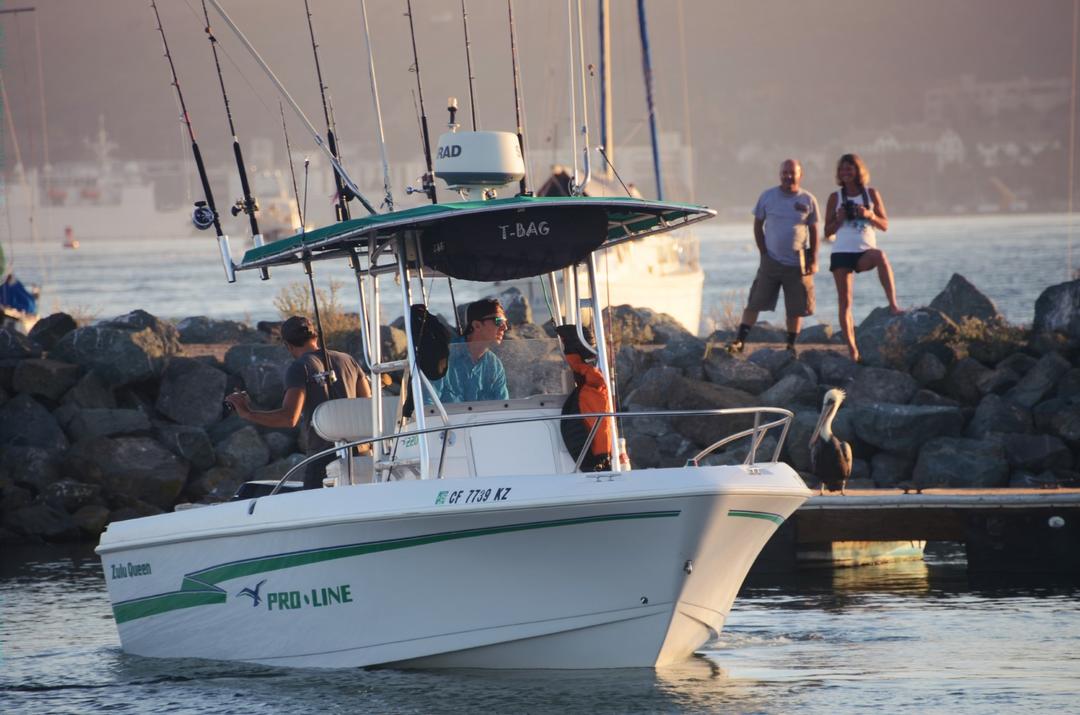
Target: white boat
column 470, row 539
column 106, row 199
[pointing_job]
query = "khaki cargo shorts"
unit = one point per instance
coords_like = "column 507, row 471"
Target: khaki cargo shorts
column 771, row 277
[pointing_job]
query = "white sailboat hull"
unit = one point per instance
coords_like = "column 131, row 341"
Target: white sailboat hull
column 569, row 571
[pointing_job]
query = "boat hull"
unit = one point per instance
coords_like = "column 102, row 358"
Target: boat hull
column 553, row 572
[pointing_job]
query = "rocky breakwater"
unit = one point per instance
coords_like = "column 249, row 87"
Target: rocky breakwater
column 947, row 395
column 124, row 418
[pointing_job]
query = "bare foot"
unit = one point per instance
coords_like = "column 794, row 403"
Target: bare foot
column 896, row 310
column 855, row 357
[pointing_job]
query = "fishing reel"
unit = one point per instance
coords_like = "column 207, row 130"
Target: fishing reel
column 202, row 216
column 244, row 206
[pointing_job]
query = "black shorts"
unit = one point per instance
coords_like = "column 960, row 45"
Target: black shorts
column 845, row 261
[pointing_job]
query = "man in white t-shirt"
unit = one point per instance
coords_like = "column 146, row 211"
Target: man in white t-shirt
column 785, row 230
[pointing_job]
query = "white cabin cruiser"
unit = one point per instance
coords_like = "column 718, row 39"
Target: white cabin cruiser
column 468, row 538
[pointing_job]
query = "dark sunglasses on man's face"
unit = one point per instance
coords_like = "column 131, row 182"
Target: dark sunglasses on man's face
column 500, row 322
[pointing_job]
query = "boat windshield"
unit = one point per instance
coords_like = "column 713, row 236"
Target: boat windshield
column 526, row 366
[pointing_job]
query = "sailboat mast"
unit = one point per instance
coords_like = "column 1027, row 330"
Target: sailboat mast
column 646, row 62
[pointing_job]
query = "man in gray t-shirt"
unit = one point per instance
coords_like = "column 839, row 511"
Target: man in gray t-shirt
column 306, row 388
column 785, row 230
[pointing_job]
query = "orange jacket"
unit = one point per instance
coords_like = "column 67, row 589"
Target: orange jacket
column 593, row 397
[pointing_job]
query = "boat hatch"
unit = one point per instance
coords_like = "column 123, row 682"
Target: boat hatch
column 501, row 239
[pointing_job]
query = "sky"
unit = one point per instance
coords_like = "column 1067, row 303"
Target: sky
column 779, row 73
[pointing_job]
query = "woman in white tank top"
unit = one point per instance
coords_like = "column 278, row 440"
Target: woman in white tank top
column 853, row 215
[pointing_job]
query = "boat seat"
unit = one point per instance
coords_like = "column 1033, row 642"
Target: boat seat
column 350, row 419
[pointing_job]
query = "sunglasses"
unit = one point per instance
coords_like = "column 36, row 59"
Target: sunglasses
column 500, row 322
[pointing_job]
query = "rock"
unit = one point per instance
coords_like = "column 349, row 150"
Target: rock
column 1035, row 452
column 90, row 391
column 42, row 521
column 191, row 392
column 395, row 342
column 789, row 390
column 136, row 467
column 961, row 300
column 820, row 333
column 654, row 387
column 771, row 359
column 133, row 509
column 16, row 346
column 643, row 451
column 639, row 326
column 90, row 423
column 875, row 385
column 215, row 484
column 904, row 429
column 796, row 450
column 70, row 496
column 276, row 470
column 928, row 369
column 1068, row 386
column 45, row 378
column 630, row 364
column 996, row 415
column 200, row 329
column 1039, row 381
column 963, row 381
column 764, row 332
column 91, row 519
column 929, row 398
column 1059, row 417
column 119, row 355
column 960, row 462
column 32, row 467
column 239, row 356
column 724, row 369
column 12, row 498
column 683, row 351
column 139, row 320
column 993, row 341
column 888, row 469
column 188, row 442
column 887, row 340
column 243, row 450
column 516, row 306
column 833, row 369
column 23, row 421
column 997, row 381
column 1057, row 309
column 48, row 331
column 1019, row 363
column 265, row 384
column 280, row 444
column 220, row 430
column 694, row 395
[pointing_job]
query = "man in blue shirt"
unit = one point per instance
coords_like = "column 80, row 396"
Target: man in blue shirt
column 474, row 372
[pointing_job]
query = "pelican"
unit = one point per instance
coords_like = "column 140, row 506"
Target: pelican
column 830, row 458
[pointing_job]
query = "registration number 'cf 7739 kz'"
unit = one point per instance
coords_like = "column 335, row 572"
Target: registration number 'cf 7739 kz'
column 472, row 496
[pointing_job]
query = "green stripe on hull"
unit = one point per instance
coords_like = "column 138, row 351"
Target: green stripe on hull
column 767, row 516
column 200, row 588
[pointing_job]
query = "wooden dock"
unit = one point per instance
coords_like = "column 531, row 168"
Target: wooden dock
column 1003, row 530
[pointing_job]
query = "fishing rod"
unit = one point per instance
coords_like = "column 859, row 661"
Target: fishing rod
column 646, row 63
column 339, row 170
column 387, row 193
column 429, row 177
column 331, row 138
column 292, row 169
column 468, row 63
column 247, row 204
column 205, row 214
column 517, row 92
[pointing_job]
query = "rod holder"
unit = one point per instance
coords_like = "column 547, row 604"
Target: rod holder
column 226, row 259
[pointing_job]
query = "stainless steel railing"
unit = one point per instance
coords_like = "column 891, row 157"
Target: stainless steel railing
column 756, row 433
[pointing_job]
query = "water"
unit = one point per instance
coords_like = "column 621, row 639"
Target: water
column 914, row 637
column 1012, row 259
